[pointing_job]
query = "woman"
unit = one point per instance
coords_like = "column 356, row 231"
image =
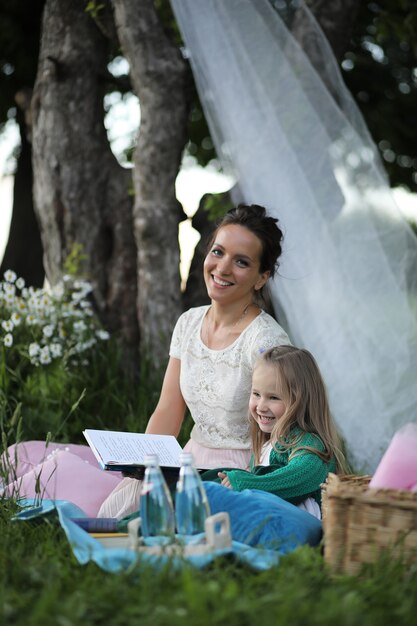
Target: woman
column 214, row 348
column 212, row 353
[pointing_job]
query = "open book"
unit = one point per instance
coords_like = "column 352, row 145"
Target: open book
column 124, row 452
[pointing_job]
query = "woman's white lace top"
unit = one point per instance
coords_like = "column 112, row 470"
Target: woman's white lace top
column 216, row 384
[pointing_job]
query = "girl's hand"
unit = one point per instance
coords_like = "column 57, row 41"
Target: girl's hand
column 225, row 481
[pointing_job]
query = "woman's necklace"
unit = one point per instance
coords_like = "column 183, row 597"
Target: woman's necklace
column 230, row 330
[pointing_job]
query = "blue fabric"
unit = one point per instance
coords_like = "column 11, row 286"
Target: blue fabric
column 261, row 519
column 257, row 519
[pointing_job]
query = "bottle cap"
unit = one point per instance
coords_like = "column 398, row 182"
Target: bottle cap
column 151, row 459
column 186, row 458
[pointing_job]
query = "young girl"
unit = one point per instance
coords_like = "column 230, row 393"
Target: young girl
column 295, row 443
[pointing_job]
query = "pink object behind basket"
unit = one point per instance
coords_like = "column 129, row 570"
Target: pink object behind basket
column 398, row 467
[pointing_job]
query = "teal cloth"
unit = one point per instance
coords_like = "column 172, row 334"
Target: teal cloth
column 263, row 527
column 87, row 548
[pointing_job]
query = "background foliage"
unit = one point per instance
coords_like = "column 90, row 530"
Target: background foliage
column 380, row 69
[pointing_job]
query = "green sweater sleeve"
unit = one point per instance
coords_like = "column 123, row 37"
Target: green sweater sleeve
column 294, row 481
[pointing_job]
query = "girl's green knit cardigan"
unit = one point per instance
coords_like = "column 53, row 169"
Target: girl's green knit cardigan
column 293, row 479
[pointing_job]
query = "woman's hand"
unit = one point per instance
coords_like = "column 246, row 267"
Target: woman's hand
column 225, row 481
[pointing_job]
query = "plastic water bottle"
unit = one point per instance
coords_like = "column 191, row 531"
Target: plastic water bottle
column 156, row 508
column 191, row 504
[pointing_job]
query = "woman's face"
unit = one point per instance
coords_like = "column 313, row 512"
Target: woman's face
column 231, row 268
column 266, row 406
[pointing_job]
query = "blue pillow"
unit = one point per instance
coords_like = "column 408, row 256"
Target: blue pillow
column 262, row 519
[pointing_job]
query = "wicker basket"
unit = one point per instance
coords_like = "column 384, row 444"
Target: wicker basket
column 359, row 522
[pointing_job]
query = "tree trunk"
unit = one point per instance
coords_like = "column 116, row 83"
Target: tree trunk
column 160, row 78
column 23, row 253
column 81, row 193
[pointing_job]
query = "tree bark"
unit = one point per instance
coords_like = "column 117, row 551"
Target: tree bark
column 160, row 78
column 81, row 193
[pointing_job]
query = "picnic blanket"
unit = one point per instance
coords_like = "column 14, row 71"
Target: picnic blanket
column 263, row 527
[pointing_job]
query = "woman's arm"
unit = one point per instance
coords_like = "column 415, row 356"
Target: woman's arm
column 169, row 413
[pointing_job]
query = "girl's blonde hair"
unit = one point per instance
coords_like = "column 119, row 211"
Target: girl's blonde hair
column 304, row 395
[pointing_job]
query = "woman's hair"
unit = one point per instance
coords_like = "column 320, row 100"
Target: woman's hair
column 304, row 395
column 254, row 218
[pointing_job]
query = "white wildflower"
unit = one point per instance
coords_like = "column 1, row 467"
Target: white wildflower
column 31, row 320
column 25, row 293
column 16, row 318
column 103, row 335
column 7, row 325
column 89, row 343
column 34, row 350
column 76, row 296
column 58, row 290
column 56, row 350
column 10, row 276
column 8, row 340
column 9, row 288
column 80, row 327
column 45, row 356
column 9, row 299
column 86, row 287
column 45, row 301
column 48, row 330
column 20, row 283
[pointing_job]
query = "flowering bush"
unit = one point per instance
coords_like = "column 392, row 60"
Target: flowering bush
column 44, row 325
column 55, row 360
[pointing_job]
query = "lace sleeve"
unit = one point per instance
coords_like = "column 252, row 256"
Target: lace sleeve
column 268, row 337
column 176, row 340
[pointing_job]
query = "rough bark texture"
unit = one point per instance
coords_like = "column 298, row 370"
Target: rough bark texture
column 81, row 193
column 160, row 79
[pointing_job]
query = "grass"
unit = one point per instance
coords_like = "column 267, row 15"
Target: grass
column 42, row 583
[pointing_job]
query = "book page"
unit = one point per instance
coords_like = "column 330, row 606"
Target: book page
column 122, row 448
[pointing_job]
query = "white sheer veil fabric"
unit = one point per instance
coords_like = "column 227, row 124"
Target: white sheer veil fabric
column 297, row 144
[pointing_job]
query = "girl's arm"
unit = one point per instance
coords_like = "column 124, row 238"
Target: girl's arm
column 294, row 482
column 169, row 414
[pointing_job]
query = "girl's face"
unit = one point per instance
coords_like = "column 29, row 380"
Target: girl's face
column 231, row 268
column 265, row 405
